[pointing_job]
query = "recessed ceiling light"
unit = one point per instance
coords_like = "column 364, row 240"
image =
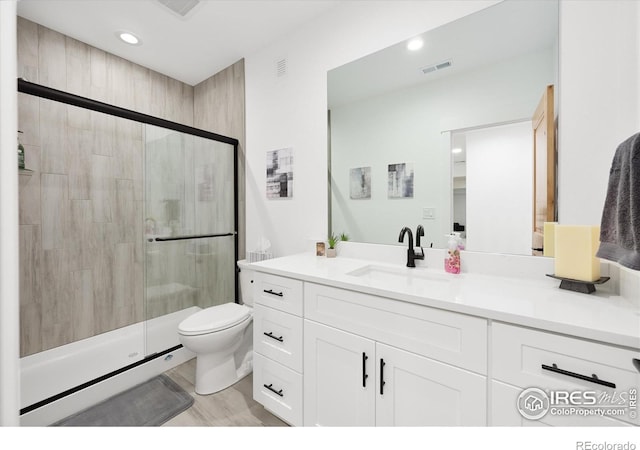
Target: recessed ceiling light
column 456, row 150
column 415, row 44
column 129, row 37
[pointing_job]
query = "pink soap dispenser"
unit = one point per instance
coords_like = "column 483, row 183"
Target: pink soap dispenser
column 452, row 260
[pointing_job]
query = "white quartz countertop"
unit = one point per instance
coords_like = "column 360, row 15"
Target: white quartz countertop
column 536, row 303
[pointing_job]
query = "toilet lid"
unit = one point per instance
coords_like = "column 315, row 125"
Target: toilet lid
column 213, row 319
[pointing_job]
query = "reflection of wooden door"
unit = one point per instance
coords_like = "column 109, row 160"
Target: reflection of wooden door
column 544, row 168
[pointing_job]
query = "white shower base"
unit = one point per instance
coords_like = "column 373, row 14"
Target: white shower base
column 51, row 372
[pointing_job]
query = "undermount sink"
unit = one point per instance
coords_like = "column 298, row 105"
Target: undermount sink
column 400, row 276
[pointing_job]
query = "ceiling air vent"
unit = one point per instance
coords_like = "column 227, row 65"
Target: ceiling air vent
column 438, row 66
column 180, row 7
column 281, row 67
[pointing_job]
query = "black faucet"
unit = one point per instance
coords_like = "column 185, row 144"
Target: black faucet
column 411, row 256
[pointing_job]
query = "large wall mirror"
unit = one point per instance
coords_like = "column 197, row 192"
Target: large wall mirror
column 443, row 136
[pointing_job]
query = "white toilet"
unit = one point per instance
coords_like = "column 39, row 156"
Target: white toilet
column 222, row 339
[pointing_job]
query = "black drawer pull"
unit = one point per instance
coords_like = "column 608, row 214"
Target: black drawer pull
column 382, row 382
column 273, row 390
column 269, row 291
column 364, row 369
column 636, row 363
column 593, row 378
column 270, row 334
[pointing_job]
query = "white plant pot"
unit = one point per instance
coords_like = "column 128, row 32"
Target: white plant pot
column 331, row 253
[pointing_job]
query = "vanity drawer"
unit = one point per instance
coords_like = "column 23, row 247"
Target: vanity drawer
column 530, row 358
column 278, row 336
column 278, row 389
column 281, row 293
column 453, row 338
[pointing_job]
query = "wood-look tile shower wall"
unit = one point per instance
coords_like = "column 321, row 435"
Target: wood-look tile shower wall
column 81, row 211
column 219, row 106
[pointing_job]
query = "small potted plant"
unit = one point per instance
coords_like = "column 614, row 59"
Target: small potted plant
column 332, row 240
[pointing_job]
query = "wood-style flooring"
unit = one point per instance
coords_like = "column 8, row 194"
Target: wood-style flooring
column 231, row 407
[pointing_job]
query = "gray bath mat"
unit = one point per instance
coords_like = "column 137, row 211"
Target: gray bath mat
column 151, row 403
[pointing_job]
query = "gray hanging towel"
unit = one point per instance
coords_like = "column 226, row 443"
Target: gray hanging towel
column 620, row 227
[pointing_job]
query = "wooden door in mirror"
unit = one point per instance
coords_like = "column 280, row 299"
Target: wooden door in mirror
column 544, row 168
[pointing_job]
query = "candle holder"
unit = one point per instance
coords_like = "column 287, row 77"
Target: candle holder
column 584, row 287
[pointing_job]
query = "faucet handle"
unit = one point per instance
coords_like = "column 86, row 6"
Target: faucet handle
column 419, row 233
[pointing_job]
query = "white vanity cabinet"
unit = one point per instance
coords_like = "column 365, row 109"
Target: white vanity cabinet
column 277, row 345
column 331, row 351
column 524, row 358
column 360, row 380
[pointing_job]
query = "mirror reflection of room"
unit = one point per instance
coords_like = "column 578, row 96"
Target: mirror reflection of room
column 403, row 106
column 496, row 164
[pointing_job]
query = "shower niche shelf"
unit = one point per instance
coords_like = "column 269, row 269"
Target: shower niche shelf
column 24, row 176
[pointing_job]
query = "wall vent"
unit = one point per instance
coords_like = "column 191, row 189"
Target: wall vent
column 438, row 66
column 180, row 7
column 281, row 67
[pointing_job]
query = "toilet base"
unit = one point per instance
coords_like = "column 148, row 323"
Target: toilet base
column 214, row 374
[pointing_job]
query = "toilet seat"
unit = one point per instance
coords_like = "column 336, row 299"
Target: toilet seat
column 215, row 318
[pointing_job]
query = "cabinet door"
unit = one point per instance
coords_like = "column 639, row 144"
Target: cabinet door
column 339, row 377
column 418, row 391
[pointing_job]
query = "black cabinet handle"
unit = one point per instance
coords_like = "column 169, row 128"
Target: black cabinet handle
column 269, row 291
column 636, row 363
column 273, row 390
column 593, row 378
column 270, row 334
column 382, row 382
column 364, row 369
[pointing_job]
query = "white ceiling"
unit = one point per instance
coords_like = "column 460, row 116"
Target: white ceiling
column 212, row 36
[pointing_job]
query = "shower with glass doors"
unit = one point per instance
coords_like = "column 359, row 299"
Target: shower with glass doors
column 128, row 225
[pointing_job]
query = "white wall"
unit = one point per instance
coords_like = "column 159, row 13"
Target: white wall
column 597, row 105
column 599, row 100
column 500, row 189
column 292, row 111
column 9, row 260
column 406, row 126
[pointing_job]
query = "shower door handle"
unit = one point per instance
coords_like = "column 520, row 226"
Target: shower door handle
column 193, row 236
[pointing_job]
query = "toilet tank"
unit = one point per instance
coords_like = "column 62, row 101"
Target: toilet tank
column 246, row 282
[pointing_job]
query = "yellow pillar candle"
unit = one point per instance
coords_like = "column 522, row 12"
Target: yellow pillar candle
column 575, row 250
column 549, row 239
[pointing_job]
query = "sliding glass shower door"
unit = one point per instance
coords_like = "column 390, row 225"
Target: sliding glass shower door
column 127, row 225
column 189, row 228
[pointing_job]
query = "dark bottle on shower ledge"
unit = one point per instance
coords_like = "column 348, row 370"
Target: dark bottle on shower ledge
column 20, row 153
